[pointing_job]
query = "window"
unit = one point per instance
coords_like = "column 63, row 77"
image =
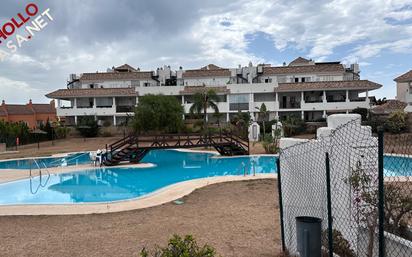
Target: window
column 104, row 102
column 91, row 85
column 303, row 79
column 238, row 102
column 268, row 80
column 146, row 84
column 296, row 80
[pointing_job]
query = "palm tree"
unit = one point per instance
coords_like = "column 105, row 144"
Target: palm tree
column 218, row 116
column 263, row 114
column 201, row 102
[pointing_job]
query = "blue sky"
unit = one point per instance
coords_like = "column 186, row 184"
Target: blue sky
column 87, row 36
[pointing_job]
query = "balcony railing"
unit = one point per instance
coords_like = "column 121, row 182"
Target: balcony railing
column 124, row 108
column 289, row 105
column 309, row 101
column 238, row 106
column 358, row 100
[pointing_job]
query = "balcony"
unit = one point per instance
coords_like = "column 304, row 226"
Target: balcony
column 124, row 109
column 289, row 105
column 238, row 106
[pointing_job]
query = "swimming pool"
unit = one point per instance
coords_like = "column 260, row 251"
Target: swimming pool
column 114, row 183
column 397, row 166
column 69, row 160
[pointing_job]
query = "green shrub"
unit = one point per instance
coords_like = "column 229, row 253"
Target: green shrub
column 362, row 111
column 106, row 123
column 293, row 125
column 9, row 131
column 397, row 122
column 88, row 126
column 375, row 121
column 341, row 246
column 61, row 132
column 180, row 247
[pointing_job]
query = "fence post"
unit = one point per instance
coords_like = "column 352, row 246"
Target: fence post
column 381, row 194
column 282, row 228
column 329, row 203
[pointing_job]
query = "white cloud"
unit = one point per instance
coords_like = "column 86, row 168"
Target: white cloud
column 90, row 35
column 316, row 26
column 14, row 91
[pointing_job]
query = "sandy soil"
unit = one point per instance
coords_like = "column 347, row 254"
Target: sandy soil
column 237, row 218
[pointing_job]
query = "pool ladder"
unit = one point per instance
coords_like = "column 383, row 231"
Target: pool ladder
column 41, row 184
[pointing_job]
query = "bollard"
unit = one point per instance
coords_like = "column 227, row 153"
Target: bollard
column 309, row 236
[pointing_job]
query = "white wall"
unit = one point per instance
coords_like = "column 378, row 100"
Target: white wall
column 209, row 81
column 402, row 91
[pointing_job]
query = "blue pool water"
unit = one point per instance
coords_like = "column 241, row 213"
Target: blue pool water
column 113, row 184
column 397, row 166
column 69, row 160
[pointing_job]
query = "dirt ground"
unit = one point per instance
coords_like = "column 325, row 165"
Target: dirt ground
column 237, row 218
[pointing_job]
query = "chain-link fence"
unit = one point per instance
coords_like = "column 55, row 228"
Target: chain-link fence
column 398, row 194
column 358, row 184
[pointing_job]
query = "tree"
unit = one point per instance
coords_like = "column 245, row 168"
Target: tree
column 381, row 101
column 366, row 202
column 363, row 112
column 158, row 113
column 263, row 116
column 203, row 101
column 271, row 144
column 293, row 125
column 398, row 207
column 218, row 116
column 241, row 121
column 88, row 126
column 397, row 122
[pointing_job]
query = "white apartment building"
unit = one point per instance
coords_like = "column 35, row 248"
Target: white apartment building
column 404, row 89
column 311, row 90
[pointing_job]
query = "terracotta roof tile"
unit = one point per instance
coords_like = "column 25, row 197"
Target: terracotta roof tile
column 210, row 67
column 43, row 108
column 134, row 75
column 406, row 77
column 209, row 70
column 389, row 107
column 299, row 60
column 95, row 92
column 18, row 109
column 327, row 85
column 189, row 90
column 316, row 68
column 125, row 67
